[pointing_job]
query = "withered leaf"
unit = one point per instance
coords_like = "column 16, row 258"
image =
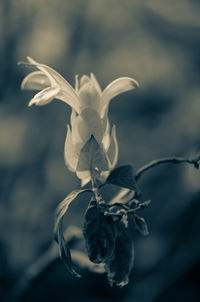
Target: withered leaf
column 119, row 265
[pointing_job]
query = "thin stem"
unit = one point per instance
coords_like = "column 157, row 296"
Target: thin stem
column 173, row 160
column 95, row 189
column 141, row 206
column 123, row 206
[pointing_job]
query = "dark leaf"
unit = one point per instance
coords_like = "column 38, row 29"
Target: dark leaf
column 99, row 233
column 119, row 266
column 123, row 196
column 123, row 177
column 92, row 157
column 141, row 225
column 64, row 250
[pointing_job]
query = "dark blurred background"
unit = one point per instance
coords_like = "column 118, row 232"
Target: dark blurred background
column 157, row 43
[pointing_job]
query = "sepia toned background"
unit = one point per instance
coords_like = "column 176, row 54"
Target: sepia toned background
column 158, row 44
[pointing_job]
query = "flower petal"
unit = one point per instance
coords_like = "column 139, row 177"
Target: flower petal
column 95, row 83
column 114, row 88
column 91, row 125
column 73, row 115
column 76, row 122
column 113, row 150
column 84, row 80
column 44, row 97
column 70, row 154
column 76, row 82
column 106, row 131
column 106, row 137
column 89, row 96
column 84, row 176
column 36, row 80
column 69, row 94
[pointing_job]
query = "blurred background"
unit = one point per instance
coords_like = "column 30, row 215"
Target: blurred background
column 157, row 43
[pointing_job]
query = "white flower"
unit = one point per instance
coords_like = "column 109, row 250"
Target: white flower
column 89, row 117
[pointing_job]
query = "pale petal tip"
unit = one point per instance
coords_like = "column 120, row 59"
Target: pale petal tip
column 76, row 82
column 135, row 83
column 23, row 83
column 29, row 59
column 32, row 101
column 20, row 62
column 29, row 63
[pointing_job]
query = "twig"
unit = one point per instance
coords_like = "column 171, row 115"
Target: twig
column 141, row 206
column 123, row 206
column 173, row 160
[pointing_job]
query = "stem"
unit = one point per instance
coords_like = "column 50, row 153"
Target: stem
column 173, row 160
column 123, row 206
column 95, row 189
column 141, row 206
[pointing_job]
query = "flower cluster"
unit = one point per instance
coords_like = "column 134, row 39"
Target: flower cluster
column 89, row 123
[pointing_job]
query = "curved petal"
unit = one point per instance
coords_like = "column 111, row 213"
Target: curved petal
column 114, row 88
column 113, row 151
column 70, row 156
column 44, row 97
column 67, row 98
column 57, row 80
column 35, row 80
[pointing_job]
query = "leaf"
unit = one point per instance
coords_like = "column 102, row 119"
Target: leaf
column 99, row 233
column 141, row 225
column 64, row 250
column 123, row 177
column 119, row 266
column 63, row 207
column 123, row 196
column 92, row 157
